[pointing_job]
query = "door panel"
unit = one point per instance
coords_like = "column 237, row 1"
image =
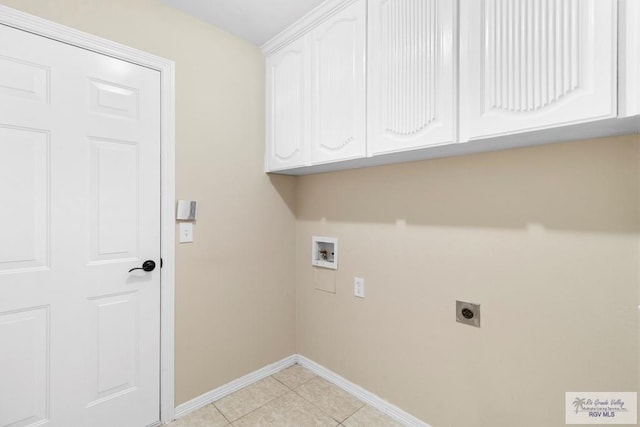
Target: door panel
column 115, row 321
column 24, row 80
column 287, row 98
column 112, row 99
column 80, row 173
column 531, row 65
column 24, row 367
column 411, row 74
column 338, row 86
column 114, row 189
column 23, row 181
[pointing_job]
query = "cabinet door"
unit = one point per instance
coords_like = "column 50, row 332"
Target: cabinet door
column 411, row 76
column 535, row 64
column 287, row 97
column 338, row 86
column 629, row 59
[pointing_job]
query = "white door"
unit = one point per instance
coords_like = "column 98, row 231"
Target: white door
column 338, row 103
column 529, row 65
column 79, row 207
column 287, row 98
column 411, row 75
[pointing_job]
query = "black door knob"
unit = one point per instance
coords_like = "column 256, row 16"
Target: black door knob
column 148, row 265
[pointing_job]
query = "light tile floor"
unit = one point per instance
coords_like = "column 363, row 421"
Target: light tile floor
column 293, row 397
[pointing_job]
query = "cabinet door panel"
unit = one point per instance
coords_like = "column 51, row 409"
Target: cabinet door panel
column 535, row 64
column 338, row 86
column 629, row 64
column 411, row 75
column 287, row 128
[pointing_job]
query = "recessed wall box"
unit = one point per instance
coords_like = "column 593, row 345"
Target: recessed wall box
column 324, row 252
column 468, row 313
column 187, row 210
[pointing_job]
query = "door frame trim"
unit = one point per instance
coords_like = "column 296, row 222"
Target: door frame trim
column 24, row 21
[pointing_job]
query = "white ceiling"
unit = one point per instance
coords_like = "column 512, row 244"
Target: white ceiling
column 254, row 20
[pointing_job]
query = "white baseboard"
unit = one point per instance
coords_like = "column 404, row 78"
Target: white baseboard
column 233, row 386
column 346, row 385
column 362, row 394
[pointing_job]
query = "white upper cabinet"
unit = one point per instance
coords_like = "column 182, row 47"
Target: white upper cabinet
column 629, row 60
column 368, row 82
column 410, row 74
column 338, row 103
column 535, row 64
column 287, row 106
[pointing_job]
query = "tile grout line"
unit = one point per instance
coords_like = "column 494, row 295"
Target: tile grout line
column 290, row 389
column 305, row 399
column 322, row 410
column 249, row 413
column 219, row 411
column 357, row 410
column 253, row 410
column 233, row 386
column 313, row 403
column 361, row 394
column 318, row 373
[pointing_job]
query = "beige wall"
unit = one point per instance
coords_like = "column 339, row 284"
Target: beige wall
column 235, row 293
column 545, row 238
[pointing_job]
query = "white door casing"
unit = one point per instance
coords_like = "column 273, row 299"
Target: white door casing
column 108, row 160
column 529, row 65
column 411, row 91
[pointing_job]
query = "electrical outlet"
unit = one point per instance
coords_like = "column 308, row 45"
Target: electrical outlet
column 358, row 287
column 186, row 232
column 468, row 313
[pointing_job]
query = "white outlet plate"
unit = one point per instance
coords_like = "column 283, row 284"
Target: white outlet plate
column 358, row 287
column 186, row 232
